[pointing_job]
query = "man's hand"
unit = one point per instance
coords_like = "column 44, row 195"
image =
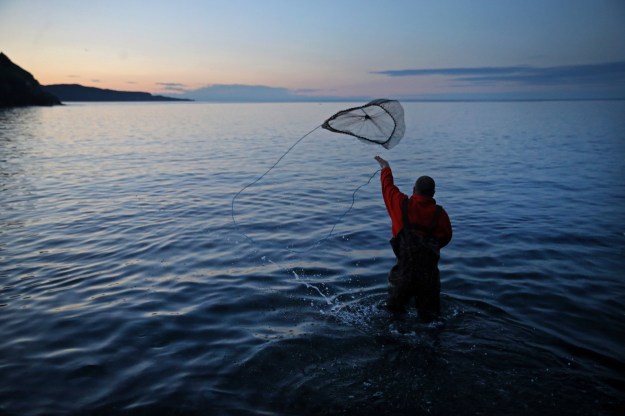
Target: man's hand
column 383, row 163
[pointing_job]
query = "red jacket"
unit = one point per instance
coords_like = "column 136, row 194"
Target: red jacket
column 421, row 209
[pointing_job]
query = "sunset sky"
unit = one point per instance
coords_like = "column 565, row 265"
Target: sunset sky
column 326, row 48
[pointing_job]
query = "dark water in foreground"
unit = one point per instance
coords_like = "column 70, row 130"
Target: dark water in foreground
column 125, row 288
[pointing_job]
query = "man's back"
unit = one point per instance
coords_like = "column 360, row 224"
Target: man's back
column 421, row 209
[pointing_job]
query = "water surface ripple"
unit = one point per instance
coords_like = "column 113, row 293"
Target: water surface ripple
column 126, row 289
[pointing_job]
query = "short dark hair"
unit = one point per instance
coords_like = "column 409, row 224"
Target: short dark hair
column 425, row 186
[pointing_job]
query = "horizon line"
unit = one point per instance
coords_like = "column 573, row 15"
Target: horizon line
column 294, row 98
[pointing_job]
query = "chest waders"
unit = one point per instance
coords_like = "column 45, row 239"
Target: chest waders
column 416, row 274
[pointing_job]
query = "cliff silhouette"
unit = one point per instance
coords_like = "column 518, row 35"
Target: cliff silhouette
column 19, row 88
column 77, row 92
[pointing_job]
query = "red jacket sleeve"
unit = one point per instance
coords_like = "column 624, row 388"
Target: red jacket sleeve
column 443, row 231
column 392, row 199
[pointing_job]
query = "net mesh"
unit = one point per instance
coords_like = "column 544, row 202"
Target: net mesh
column 380, row 122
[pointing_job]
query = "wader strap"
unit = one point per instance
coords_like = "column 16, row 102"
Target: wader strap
column 404, row 212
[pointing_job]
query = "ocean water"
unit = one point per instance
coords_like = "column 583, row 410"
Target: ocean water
column 126, row 287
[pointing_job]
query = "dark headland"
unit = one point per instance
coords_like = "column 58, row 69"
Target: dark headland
column 19, row 88
column 76, row 92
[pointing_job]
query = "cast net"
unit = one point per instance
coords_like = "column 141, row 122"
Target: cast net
column 380, row 122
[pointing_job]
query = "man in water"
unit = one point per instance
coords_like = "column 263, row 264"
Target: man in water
column 420, row 229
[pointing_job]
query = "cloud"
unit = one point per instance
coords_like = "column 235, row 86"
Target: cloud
column 238, row 92
column 95, row 80
column 607, row 73
column 305, row 91
column 173, row 86
column 453, row 71
column 255, row 93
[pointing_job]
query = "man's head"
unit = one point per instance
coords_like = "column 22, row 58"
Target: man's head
column 425, row 186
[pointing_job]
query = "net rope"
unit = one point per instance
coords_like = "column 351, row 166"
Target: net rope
column 316, row 243
column 380, row 122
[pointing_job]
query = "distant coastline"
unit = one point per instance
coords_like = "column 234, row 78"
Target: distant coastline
column 18, row 87
column 77, row 92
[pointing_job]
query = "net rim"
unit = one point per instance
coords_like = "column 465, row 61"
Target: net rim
column 378, row 103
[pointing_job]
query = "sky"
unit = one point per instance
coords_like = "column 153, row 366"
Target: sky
column 248, row 50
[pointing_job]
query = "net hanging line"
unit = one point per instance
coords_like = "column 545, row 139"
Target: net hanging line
column 379, row 122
